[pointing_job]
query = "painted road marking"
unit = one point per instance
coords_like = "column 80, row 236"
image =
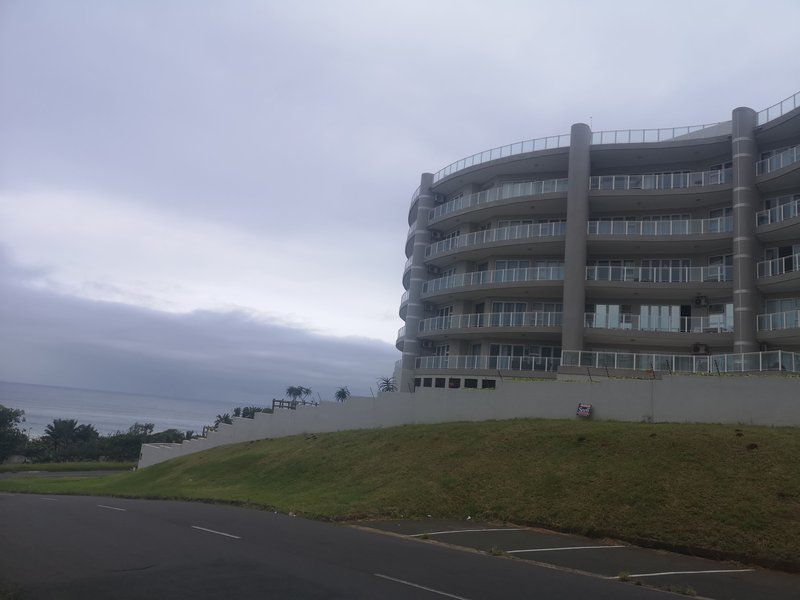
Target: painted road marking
column 230, row 535
column 50, row 499
column 421, row 587
column 112, row 508
column 564, row 548
column 690, row 572
column 463, row 531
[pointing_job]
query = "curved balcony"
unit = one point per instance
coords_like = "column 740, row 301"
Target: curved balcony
column 671, row 331
column 644, row 136
column 404, row 304
column 779, row 274
column 657, row 282
column 407, row 272
column 660, row 181
column 493, row 364
column 412, row 231
column 485, row 324
column 499, row 237
column 779, row 223
column 401, row 334
column 500, row 194
column 781, row 327
column 777, row 360
column 779, row 171
column 478, row 281
column 524, row 147
column 779, row 109
column 612, row 236
column 412, row 212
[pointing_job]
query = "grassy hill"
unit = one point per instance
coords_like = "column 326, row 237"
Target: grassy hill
column 733, row 491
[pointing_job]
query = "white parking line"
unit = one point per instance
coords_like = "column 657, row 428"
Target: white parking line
column 563, row 548
column 462, row 531
column 230, row 535
column 421, row 587
column 50, row 499
column 112, row 508
column 689, row 572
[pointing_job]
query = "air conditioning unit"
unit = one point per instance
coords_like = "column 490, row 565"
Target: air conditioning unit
column 433, row 270
column 699, row 349
column 427, row 345
column 436, row 235
column 700, row 301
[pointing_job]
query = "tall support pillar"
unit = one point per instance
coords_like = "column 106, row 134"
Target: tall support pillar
column 418, row 275
column 575, row 246
column 745, row 245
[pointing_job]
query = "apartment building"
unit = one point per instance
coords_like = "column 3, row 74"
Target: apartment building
column 657, row 249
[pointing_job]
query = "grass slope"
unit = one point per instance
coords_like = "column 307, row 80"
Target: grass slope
column 693, row 486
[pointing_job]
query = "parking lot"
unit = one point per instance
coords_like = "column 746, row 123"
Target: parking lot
column 604, row 558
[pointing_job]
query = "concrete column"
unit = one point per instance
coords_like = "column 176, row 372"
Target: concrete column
column 575, row 252
column 418, row 275
column 745, row 245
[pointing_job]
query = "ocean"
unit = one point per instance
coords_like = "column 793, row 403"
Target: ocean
column 107, row 411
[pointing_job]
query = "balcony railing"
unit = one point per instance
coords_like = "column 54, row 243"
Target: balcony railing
column 414, row 196
column 777, row 360
column 492, row 363
column 789, row 319
column 501, row 234
column 504, row 191
column 638, row 136
column 404, row 297
column 675, row 324
column 545, row 143
column 778, row 266
column 778, row 213
column 712, row 274
column 409, row 260
column 679, row 227
column 778, row 161
column 779, row 109
column 499, row 276
column 401, row 333
column 660, row 181
column 516, row 319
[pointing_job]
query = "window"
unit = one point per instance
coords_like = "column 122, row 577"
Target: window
column 444, row 311
column 725, row 260
column 439, row 382
column 514, row 222
column 488, row 384
column 454, row 383
column 427, row 382
column 442, row 350
column 512, row 264
column 471, row 383
column 453, row 234
column 475, row 350
column 720, row 316
column 417, row 382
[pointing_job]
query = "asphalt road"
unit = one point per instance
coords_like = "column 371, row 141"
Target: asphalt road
column 64, row 547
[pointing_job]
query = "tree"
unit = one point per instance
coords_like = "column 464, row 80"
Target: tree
column 141, row 428
column 12, row 437
column 386, row 384
column 86, row 434
column 342, row 394
column 294, row 392
column 61, row 433
column 305, row 392
column 224, row 418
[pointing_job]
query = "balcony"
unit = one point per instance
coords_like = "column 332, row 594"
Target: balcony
column 778, row 161
column 783, row 327
column 779, row 172
column 778, row 266
column 660, row 181
column 693, row 325
column 779, row 223
column 644, row 136
column 714, row 274
column 407, row 272
column 779, row 109
column 401, row 334
column 404, row 304
column 485, row 323
column 661, row 228
column 514, row 233
column 775, row 361
column 488, row 363
column 496, row 278
column 506, row 191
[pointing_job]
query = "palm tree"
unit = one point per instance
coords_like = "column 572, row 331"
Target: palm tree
column 386, row 384
column 305, row 392
column 342, row 394
column 225, row 418
column 61, row 432
column 294, row 392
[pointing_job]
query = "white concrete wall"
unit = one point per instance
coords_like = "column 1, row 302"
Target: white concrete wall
column 757, row 400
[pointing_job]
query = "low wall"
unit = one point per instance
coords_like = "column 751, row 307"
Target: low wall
column 755, row 400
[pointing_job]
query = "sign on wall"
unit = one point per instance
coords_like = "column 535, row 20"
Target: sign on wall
column 584, row 410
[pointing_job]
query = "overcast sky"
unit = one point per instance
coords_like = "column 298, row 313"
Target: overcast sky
column 194, row 183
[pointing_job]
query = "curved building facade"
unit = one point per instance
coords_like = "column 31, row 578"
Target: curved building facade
column 664, row 249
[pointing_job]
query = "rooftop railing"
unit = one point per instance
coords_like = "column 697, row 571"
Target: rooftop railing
column 491, row 363
column 778, row 266
column 778, row 161
column 496, row 277
column 501, row 234
column 638, row 136
column 777, row 360
column 545, row 143
column 789, row 319
column 675, row 324
column 713, row 274
column 779, row 109
column 660, row 181
column 645, row 228
column 504, row 191
column 506, row 319
column 778, row 213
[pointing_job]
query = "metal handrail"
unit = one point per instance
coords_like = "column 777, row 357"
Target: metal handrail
column 674, row 324
column 404, row 297
column 500, row 234
column 712, row 274
column 666, row 227
column 776, row 214
column 492, row 363
column 503, row 319
column 778, row 161
column 401, row 333
column 499, row 276
column 660, row 181
column 788, row 319
column 779, row 109
column 638, row 136
column 778, row 266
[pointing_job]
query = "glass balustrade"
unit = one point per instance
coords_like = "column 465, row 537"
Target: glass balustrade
column 496, row 277
column 638, row 136
column 493, row 363
column 409, row 260
column 404, row 297
column 401, row 333
column 505, row 191
column 517, row 319
column 713, row 274
column 778, row 266
column 776, row 360
column 779, row 109
column 513, row 232
column 678, row 227
column 660, row 181
column 789, row 319
column 669, row 324
column 778, row 213
column 545, row 143
column 778, row 161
